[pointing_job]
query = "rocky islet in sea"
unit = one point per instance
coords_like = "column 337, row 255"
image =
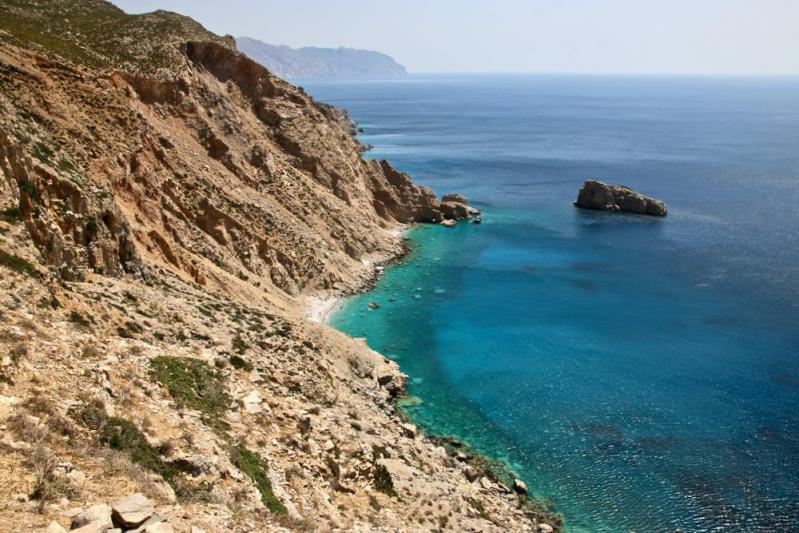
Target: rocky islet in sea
column 603, row 197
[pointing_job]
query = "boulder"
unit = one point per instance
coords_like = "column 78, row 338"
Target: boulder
column 390, row 379
column 55, row 527
column 98, row 513
column 471, row 473
column 449, row 223
column 98, row 526
column 454, row 211
column 156, row 523
column 455, row 207
column 519, row 486
column 251, row 402
column 604, row 197
column 409, row 430
column 131, row 511
column 77, row 477
column 159, row 527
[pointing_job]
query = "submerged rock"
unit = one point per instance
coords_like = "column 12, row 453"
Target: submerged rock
column 604, row 197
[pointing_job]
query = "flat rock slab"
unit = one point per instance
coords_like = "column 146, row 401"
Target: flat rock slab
column 131, row 511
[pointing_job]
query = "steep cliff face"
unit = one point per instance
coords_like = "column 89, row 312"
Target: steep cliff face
column 165, row 206
column 212, row 168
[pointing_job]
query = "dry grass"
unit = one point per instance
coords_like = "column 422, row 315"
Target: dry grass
column 48, row 486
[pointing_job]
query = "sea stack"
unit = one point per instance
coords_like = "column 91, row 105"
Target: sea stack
column 455, row 207
column 603, row 197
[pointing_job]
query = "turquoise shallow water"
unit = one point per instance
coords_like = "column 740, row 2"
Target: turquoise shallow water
column 640, row 372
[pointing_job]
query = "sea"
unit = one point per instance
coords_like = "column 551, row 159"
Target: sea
column 640, row 373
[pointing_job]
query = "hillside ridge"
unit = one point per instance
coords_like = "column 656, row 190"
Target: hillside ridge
column 317, row 62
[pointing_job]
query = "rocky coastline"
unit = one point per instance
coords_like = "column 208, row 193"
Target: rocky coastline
column 478, row 467
column 167, row 206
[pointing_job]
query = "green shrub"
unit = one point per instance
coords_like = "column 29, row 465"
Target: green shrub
column 123, row 435
column 193, row 384
column 64, row 165
column 251, row 464
column 42, row 153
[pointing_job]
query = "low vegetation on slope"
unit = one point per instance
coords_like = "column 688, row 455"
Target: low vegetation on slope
column 193, row 384
column 98, row 34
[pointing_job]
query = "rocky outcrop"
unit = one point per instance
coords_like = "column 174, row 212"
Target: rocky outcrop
column 215, row 169
column 455, row 207
column 132, row 514
column 604, row 197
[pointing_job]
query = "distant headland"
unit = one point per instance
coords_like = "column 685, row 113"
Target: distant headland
column 310, row 62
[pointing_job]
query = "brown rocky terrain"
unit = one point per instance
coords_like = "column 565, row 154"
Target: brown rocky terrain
column 167, row 207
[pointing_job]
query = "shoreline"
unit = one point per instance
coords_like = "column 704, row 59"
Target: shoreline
column 321, row 309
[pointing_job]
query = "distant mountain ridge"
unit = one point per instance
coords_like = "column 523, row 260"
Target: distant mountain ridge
column 311, row 62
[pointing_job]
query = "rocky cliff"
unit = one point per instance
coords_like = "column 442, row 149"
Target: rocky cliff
column 313, row 62
column 167, row 206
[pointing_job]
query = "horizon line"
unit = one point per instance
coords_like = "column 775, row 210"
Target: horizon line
column 622, row 73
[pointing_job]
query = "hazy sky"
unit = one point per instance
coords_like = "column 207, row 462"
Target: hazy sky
column 612, row 36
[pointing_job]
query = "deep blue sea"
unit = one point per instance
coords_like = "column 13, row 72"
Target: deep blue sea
column 642, row 373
